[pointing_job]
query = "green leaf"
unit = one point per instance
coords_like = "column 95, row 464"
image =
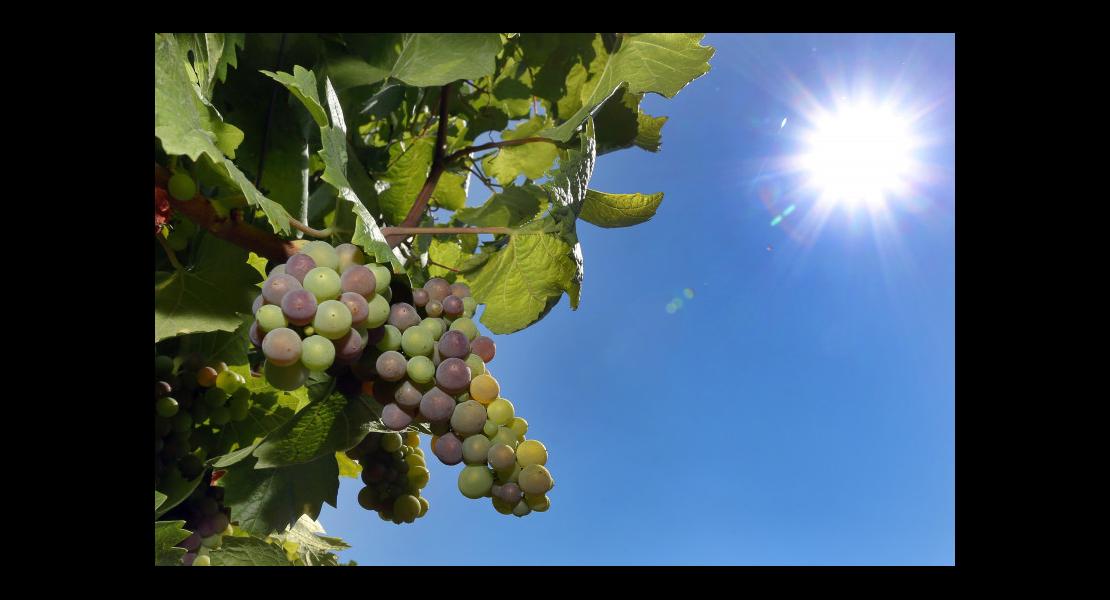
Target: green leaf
column 186, row 126
column 347, row 467
column 229, row 348
column 302, row 84
column 450, row 192
column 662, row 63
column 211, row 55
column 317, row 430
column 509, row 208
column 649, row 132
column 429, row 59
column 166, row 535
column 531, row 160
column 211, row 296
column 621, row 124
column 159, row 498
column 406, row 174
column 270, row 409
column 176, row 488
column 567, row 185
column 266, row 500
column 619, row 210
column 247, row 552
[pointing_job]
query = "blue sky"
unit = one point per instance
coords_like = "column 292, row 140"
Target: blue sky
column 799, row 409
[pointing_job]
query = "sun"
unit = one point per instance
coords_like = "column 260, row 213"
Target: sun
column 859, row 155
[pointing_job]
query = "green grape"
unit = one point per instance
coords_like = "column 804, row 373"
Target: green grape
column 377, row 312
column 475, row 481
column 475, row 449
column 417, row 341
column 182, row 422
column 166, row 407
column 240, row 404
column 382, row 277
column 501, row 506
column 391, row 339
column 469, row 306
column 269, row 316
column 509, row 475
column 323, row 283
column 406, row 508
column 484, row 388
column 489, row 429
column 531, row 452
column 285, row 378
column 182, row 187
column 391, row 442
column 220, row 415
column 333, row 319
column 418, row 477
column 500, row 411
column 229, row 381
column 538, row 503
column 519, row 427
column 421, row 369
column 434, row 326
column 163, row 367
column 349, row 254
column 535, row 480
column 323, row 254
column 317, row 353
column 468, row 418
column 521, row 509
column 424, row 506
column 215, row 397
column 477, row 367
column 466, row 326
column 414, row 459
column 505, row 436
column 202, row 561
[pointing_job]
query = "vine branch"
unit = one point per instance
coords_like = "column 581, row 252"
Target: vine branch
column 438, row 164
column 471, row 149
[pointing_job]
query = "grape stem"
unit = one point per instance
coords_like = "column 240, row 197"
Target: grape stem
column 432, row 262
column 169, row 252
column 502, row 144
column 438, row 164
column 305, row 229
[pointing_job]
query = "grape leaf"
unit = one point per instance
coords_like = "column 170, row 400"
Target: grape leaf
column 212, row 53
column 159, row 498
column 406, row 174
column 186, row 126
column 166, row 535
column 450, row 192
column 347, row 467
column 662, row 63
column 317, row 430
column 247, row 552
column 229, row 348
column 619, row 210
column 212, row 296
column 621, row 124
column 429, row 59
column 567, row 184
column 176, row 488
column 302, row 84
column 267, row 500
column 509, row 208
column 532, row 159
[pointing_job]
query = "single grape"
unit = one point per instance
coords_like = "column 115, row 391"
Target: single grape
column 469, row 306
column 240, row 404
column 531, row 452
column 510, row 492
column 182, row 422
column 182, row 187
column 333, row 319
column 538, row 503
column 419, row 297
column 501, row 506
column 285, row 378
column 459, row 289
column 377, row 312
column 277, row 270
column 476, row 449
column 437, row 406
column 535, row 480
column 500, row 456
column 382, row 277
column 505, row 436
column 437, row 288
column 519, row 427
column 454, row 344
column 360, row 280
column 453, row 306
column 202, row 561
column 163, row 366
column 415, row 460
column 489, row 429
column 323, row 282
column 402, row 316
column 395, row 417
column 448, row 449
column 434, row 308
column 214, row 397
column 162, row 388
column 299, row 306
column 501, row 412
column 299, row 265
column 420, row 369
column 468, row 418
column 406, row 507
column 408, row 396
column 357, row 306
column 521, row 509
column 484, row 347
column 317, row 353
column 166, row 407
column 277, row 286
column 434, row 326
column 270, row 317
column 477, row 367
column 323, row 253
column 484, row 388
column 282, row 347
column 424, row 506
column 367, row 497
column 349, row 254
column 391, row 442
column 453, row 375
column 417, row 341
column 418, row 477
column 391, row 365
column 230, row 381
column 206, row 377
column 349, row 348
column 475, row 481
column 391, row 339
column 466, row 326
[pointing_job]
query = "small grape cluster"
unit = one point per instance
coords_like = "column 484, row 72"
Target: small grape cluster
column 184, row 401
column 430, row 367
column 323, row 306
column 208, row 520
column 394, row 472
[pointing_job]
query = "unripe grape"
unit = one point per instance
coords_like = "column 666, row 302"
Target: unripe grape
column 202, row 561
column 437, row 288
column 468, row 418
column 349, row 254
column 500, row 456
column 181, row 187
column 382, row 277
column 317, row 353
column 418, row 476
column 489, row 429
column 419, row 297
column 406, row 507
column 391, row 442
column 467, row 326
column 323, row 282
column 531, row 452
column 424, row 506
column 391, row 339
column 501, row 506
column 417, row 341
column 166, row 407
column 475, row 481
column 535, row 479
column 484, row 388
column 476, row 449
column 285, row 378
column 163, row 366
column 519, row 427
column 469, row 306
column 477, row 366
column 323, row 253
column 434, row 308
column 521, row 509
column 420, row 369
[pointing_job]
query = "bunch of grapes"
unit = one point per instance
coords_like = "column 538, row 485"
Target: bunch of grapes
column 206, row 517
column 322, row 307
column 394, row 472
column 189, row 405
column 430, row 367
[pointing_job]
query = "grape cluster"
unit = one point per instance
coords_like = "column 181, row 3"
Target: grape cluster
column 323, row 306
column 206, row 517
column 394, row 472
column 188, row 404
column 430, row 367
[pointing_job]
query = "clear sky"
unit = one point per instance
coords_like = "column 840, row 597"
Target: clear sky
column 799, row 409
